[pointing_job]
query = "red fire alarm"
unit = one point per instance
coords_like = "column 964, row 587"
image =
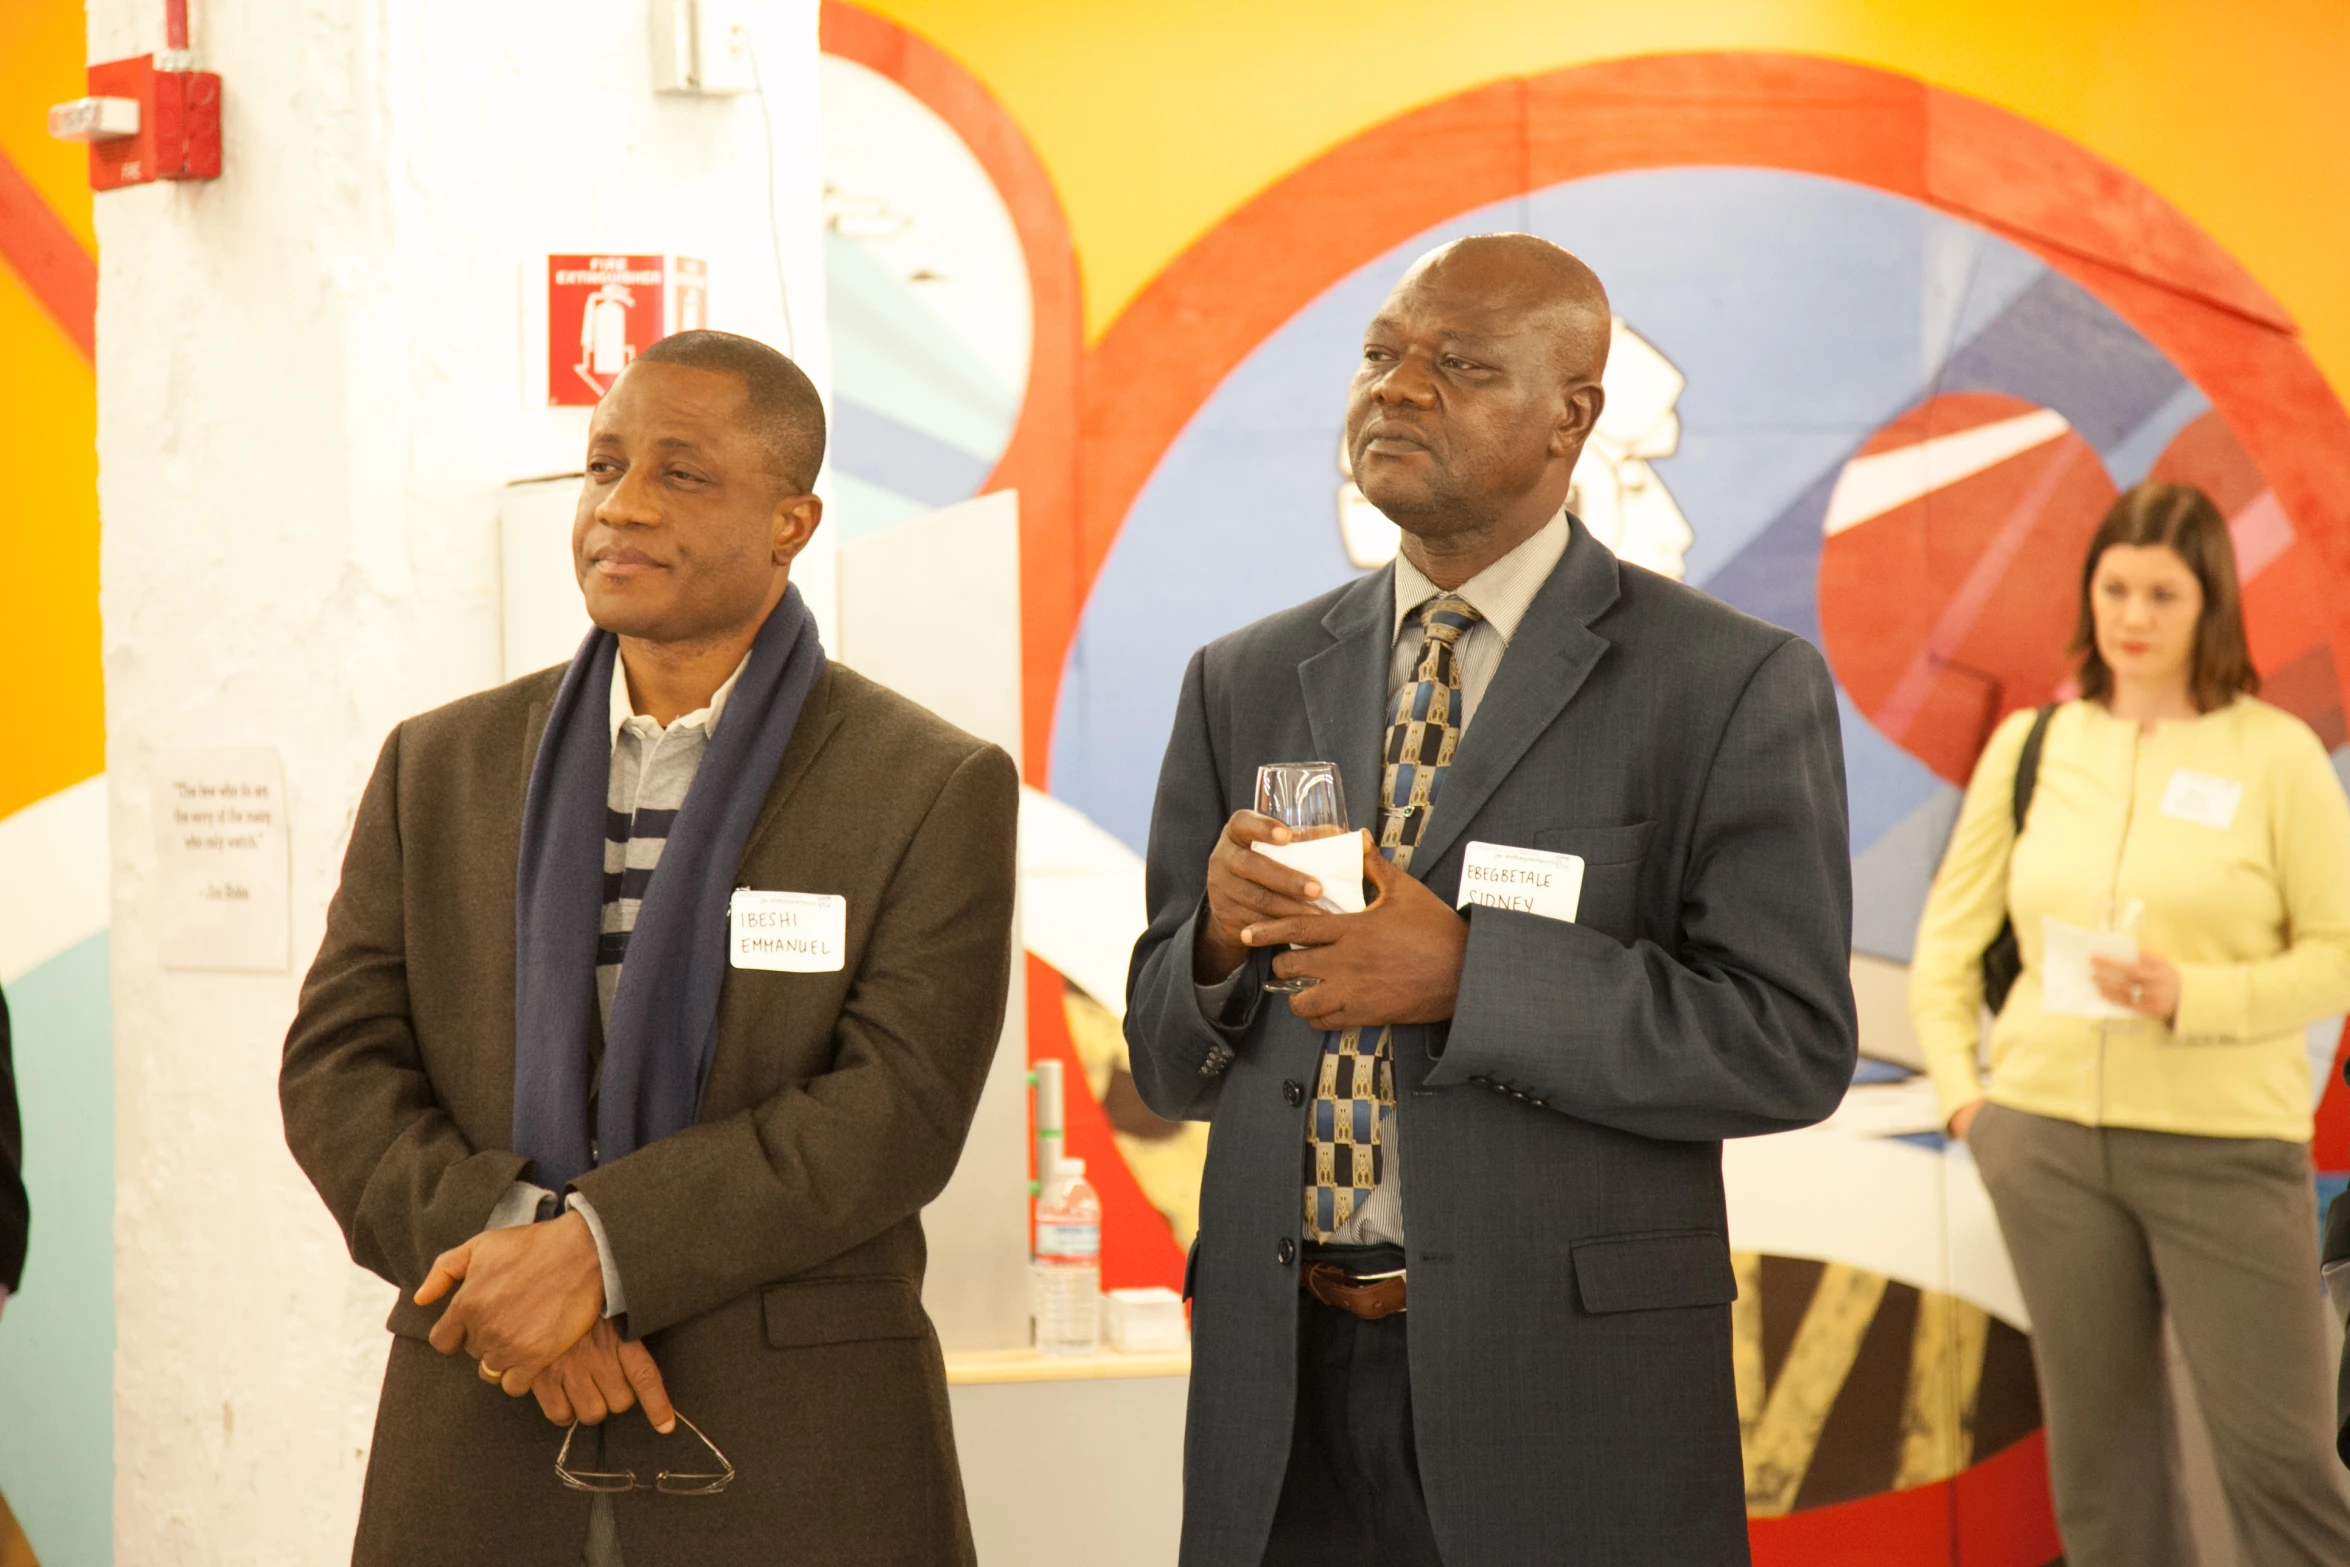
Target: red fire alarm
column 145, row 120
column 602, row 311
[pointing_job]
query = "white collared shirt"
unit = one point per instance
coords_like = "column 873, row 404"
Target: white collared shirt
column 1501, row 594
column 705, row 717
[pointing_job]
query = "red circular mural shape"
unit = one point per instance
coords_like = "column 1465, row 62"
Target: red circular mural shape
column 1950, row 575
column 2288, row 610
column 1238, row 283
column 1954, row 544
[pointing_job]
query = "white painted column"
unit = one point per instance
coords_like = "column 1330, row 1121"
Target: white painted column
column 314, row 381
column 931, row 609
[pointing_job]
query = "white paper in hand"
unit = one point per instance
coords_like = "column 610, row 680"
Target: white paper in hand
column 1336, row 862
column 2067, row 987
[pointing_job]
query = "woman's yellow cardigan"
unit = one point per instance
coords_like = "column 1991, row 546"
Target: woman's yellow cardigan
column 2255, row 913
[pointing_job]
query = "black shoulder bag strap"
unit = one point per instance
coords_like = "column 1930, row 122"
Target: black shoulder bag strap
column 2003, row 961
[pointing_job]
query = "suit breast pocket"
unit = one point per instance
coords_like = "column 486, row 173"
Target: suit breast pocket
column 1611, row 871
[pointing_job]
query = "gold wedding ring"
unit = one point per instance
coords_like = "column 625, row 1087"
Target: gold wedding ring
column 494, row 1378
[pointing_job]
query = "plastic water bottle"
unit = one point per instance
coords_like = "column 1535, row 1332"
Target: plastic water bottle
column 1068, row 1266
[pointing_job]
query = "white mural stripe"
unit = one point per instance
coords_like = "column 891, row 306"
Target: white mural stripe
column 1873, row 485
column 2261, row 532
column 55, row 851
column 1914, row 1215
column 1081, row 897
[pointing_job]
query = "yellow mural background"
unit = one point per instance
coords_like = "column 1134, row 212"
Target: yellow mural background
column 1157, row 118
column 49, row 672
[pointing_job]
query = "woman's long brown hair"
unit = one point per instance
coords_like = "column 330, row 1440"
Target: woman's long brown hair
column 2183, row 519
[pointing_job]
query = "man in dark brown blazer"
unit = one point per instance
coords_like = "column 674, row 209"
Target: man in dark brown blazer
column 722, row 1044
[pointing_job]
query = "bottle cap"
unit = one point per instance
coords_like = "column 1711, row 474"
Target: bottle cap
column 1069, row 1169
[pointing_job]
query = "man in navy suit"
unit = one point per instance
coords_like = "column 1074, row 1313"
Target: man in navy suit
column 1520, row 1351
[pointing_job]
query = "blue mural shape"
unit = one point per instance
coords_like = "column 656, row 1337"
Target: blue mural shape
column 918, row 421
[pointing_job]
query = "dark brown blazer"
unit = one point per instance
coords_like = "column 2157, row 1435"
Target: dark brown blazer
column 772, row 1256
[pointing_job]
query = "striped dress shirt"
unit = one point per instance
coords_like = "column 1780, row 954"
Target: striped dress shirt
column 652, row 768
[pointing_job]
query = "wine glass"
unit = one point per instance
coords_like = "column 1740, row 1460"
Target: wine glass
column 1305, row 797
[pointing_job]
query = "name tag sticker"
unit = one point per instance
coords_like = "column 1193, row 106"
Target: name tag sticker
column 792, row 932
column 1533, row 881
column 2202, row 799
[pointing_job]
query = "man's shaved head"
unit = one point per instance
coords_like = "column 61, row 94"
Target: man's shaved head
column 780, row 401
column 1478, row 385
column 1547, row 278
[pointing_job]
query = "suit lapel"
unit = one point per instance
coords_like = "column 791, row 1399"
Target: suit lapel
column 534, row 728
column 819, row 717
column 1345, row 688
column 1546, row 664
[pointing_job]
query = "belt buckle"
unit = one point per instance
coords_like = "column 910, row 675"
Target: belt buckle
column 1330, row 1284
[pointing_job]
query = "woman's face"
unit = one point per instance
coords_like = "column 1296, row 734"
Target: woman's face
column 2147, row 606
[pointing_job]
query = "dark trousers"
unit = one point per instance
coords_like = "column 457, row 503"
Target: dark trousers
column 1352, row 1496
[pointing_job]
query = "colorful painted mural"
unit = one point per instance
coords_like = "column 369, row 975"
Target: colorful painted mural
column 1886, row 353
column 1915, row 286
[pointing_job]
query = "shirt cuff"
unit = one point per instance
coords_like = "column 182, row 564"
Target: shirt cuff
column 615, row 1302
column 1216, row 1000
column 1956, row 1084
column 520, row 1205
column 2214, row 1002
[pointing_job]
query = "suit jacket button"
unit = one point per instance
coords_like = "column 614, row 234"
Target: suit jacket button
column 1286, row 1251
column 1294, row 1092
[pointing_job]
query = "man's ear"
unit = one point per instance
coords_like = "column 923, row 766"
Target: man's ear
column 1577, row 419
column 794, row 523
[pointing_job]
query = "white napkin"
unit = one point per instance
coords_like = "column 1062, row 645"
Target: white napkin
column 1336, row 862
column 2066, row 985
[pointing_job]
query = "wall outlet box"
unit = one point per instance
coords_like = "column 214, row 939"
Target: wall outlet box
column 703, row 47
column 176, row 124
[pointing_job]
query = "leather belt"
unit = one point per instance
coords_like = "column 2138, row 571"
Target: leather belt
column 1369, row 1299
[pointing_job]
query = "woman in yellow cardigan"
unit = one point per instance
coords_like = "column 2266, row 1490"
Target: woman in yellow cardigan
column 2144, row 1133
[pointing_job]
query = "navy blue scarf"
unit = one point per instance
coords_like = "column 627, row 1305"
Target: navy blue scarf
column 664, row 1021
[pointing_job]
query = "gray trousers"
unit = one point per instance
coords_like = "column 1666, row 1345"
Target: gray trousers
column 2108, row 1228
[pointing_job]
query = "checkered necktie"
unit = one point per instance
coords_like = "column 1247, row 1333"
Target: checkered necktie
column 1343, row 1156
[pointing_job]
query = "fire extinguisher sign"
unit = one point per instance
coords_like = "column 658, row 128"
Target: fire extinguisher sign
column 602, row 311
